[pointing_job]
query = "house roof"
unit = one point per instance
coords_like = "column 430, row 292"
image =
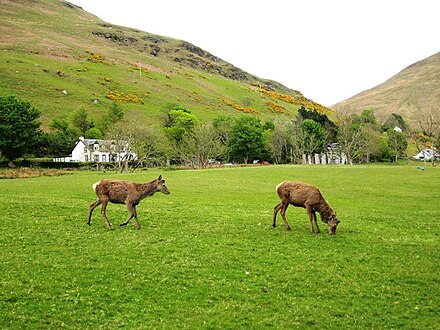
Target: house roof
column 90, row 142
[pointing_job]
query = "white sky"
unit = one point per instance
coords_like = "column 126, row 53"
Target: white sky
column 329, row 50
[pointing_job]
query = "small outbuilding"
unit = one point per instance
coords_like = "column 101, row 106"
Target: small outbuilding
column 426, row 154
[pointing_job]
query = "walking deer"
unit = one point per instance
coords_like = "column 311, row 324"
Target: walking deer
column 301, row 194
column 124, row 192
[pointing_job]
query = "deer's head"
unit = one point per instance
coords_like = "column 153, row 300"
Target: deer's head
column 332, row 223
column 160, row 186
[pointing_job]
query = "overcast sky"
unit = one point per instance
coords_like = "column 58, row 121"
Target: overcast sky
column 329, row 50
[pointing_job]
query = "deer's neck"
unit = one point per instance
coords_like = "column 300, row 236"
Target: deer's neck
column 325, row 211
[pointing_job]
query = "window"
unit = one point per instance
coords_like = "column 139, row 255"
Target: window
column 96, row 158
column 104, row 158
column 96, row 147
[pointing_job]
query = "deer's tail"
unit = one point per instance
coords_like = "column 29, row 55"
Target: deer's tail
column 95, row 185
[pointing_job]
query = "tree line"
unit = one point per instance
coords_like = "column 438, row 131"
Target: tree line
column 182, row 138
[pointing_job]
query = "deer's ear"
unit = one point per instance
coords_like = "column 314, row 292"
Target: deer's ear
column 160, row 177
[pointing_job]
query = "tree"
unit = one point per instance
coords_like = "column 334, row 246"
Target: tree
column 246, row 139
column 151, row 146
column 313, row 141
column 201, row 145
column 148, row 143
column 19, row 127
column 322, row 119
column 280, row 140
column 61, row 139
column 223, row 125
column 371, row 147
column 367, row 117
column 429, row 123
column 394, row 120
column 114, row 115
column 178, row 123
column 397, row 143
column 123, row 137
column 351, row 136
column 93, row 133
column 81, row 121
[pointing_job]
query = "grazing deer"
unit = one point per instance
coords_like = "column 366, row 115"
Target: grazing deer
column 124, row 192
column 301, row 194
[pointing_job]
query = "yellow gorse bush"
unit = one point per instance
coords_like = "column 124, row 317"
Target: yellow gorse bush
column 297, row 100
column 240, row 107
column 124, row 98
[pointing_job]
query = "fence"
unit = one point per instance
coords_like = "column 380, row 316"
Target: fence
column 324, row 159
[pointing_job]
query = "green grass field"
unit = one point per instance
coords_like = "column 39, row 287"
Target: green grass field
column 207, row 256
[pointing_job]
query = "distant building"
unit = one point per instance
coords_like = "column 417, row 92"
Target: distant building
column 426, row 154
column 94, row 150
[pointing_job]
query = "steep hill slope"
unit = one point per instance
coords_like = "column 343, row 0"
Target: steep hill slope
column 413, row 89
column 61, row 58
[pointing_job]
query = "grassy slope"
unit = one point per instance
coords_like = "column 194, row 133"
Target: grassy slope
column 46, row 46
column 414, row 88
column 207, row 256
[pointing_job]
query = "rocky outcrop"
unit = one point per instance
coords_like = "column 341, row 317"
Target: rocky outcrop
column 115, row 37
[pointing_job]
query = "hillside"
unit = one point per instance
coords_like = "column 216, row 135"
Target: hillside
column 415, row 88
column 61, row 58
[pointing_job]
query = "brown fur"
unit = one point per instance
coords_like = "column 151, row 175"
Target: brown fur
column 301, row 194
column 124, row 192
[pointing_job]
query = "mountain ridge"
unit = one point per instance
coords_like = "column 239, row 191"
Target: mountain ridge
column 413, row 89
column 60, row 58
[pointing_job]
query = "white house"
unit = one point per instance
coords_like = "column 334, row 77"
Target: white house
column 93, row 150
column 426, row 154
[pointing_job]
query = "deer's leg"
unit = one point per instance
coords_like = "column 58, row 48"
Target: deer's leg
column 93, row 206
column 104, row 215
column 310, row 214
column 275, row 212
column 136, row 217
column 312, row 218
column 283, row 214
column 316, row 223
column 132, row 209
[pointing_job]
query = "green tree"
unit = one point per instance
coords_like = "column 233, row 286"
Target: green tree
column 246, row 138
column 93, row 133
column 313, row 136
column 223, row 125
column 398, row 143
column 351, row 135
column 81, row 121
column 322, row 119
column 280, row 140
column 367, row 117
column 201, row 146
column 149, row 143
column 395, row 120
column 371, row 150
column 179, row 122
column 114, row 115
column 19, row 127
column 61, row 139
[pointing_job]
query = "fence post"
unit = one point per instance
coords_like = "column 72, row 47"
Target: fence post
column 317, row 162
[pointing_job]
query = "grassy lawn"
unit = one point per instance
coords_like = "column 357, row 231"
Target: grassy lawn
column 207, row 256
